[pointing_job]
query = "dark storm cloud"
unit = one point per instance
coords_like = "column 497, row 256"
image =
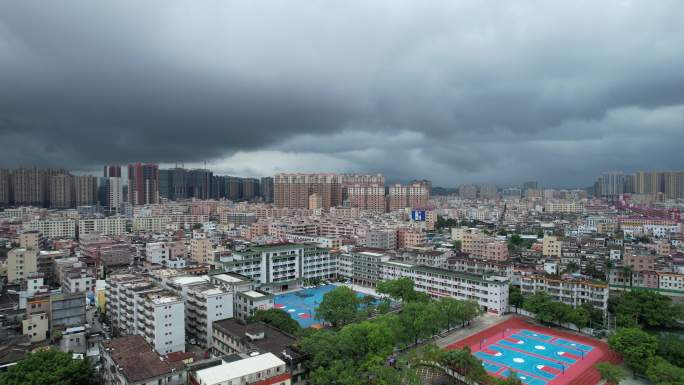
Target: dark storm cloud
column 457, row 92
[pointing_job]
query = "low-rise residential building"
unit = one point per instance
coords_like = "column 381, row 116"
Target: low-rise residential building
column 163, row 317
column 410, row 237
column 205, row 304
column 135, row 305
column 67, row 309
column 202, row 251
column 36, row 326
column 231, row 337
column 570, row 291
column 663, row 282
column 168, row 254
column 385, row 239
column 362, row 266
column 262, row 369
column 53, row 228
column 248, row 302
column 78, row 280
column 481, row 267
column 115, row 226
column 639, row 262
column 551, row 246
column 483, row 246
column 21, row 263
column 130, row 360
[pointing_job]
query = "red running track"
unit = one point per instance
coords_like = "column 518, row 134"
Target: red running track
column 580, row 373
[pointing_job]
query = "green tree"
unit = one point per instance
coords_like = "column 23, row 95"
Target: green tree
column 277, row 318
column 457, row 245
column 463, row 362
column 662, row 372
column 571, row 267
column 418, row 320
column 595, row 314
column 338, row 307
column 340, row 372
column 610, row 373
column 515, row 296
column 48, row 367
column 359, row 340
column 636, row 346
column 671, row 348
column 471, row 310
column 322, row 347
column 451, row 309
column 399, row 289
column 512, row 379
column 539, row 303
column 640, row 307
column 580, row 317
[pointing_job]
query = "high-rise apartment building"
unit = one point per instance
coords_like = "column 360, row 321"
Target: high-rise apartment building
column 4, row 187
column 199, row 183
column 178, row 186
column 250, row 188
column 293, row 190
column 467, row 191
column 367, row 197
column 85, row 190
column 143, row 184
column 415, row 195
column 114, row 195
column 266, row 189
column 674, row 184
column 668, row 183
column 112, row 171
column 29, row 186
column 612, row 183
column 60, row 191
column 488, row 191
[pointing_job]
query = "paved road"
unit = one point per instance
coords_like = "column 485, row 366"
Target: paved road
column 480, row 323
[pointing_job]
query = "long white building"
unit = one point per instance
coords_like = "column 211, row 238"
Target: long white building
column 102, row 226
column 492, row 296
column 54, row 228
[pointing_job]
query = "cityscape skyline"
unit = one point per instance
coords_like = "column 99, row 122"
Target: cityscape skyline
column 485, row 105
column 341, row 192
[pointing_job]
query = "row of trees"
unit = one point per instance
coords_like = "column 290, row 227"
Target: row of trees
column 644, row 308
column 642, row 354
column 547, row 310
column 48, row 367
column 357, row 351
column 277, row 318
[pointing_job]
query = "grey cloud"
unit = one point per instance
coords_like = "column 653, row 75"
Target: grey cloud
column 458, row 91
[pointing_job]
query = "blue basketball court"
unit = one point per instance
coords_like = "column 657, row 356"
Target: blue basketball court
column 536, row 358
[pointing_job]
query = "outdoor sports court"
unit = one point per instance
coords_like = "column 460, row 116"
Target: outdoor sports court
column 302, row 304
column 538, row 355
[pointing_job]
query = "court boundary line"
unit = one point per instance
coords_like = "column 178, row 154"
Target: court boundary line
column 582, row 373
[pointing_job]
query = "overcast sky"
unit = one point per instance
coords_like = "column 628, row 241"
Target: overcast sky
column 454, row 91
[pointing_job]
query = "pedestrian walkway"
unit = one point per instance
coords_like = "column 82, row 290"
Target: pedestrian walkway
column 483, row 322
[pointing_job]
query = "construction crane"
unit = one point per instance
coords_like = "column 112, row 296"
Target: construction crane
column 501, row 218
